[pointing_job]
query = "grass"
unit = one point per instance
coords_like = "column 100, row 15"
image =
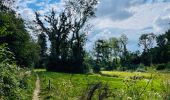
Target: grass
column 39, row 70
column 71, row 86
column 28, row 85
column 126, row 85
column 125, row 74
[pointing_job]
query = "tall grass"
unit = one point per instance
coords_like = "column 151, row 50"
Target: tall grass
column 129, row 86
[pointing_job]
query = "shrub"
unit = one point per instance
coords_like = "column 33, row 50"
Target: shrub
column 96, row 68
column 141, row 68
column 9, row 87
column 160, row 67
column 168, row 65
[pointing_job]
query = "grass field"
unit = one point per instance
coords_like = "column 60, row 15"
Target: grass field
column 122, row 85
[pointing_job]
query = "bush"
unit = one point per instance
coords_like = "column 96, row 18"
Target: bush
column 96, row 69
column 168, row 65
column 160, row 67
column 141, row 68
column 9, row 87
column 9, row 84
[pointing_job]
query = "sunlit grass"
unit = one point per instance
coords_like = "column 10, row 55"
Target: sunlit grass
column 124, row 74
column 39, row 70
column 71, row 86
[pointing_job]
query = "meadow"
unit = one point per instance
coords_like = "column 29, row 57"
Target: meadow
column 120, row 85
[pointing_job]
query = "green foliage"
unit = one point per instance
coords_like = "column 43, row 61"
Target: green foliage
column 9, row 81
column 14, row 34
column 141, row 68
column 160, row 66
column 15, row 83
column 43, row 49
column 6, row 55
column 67, row 35
column 146, row 41
column 102, row 54
column 8, row 76
column 31, row 55
column 160, row 53
column 96, row 68
column 111, row 54
column 168, row 65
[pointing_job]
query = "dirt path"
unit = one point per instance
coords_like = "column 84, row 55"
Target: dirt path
column 37, row 89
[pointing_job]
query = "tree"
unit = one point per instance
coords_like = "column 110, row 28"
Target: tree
column 6, row 5
column 58, row 32
column 115, row 51
column 102, row 53
column 13, row 32
column 43, row 48
column 83, row 10
column 161, row 40
column 66, row 34
column 123, row 40
column 146, row 41
column 163, row 48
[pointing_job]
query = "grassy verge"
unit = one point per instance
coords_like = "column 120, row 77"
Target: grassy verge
column 27, row 85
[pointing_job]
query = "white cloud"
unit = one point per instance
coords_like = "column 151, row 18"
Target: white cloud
column 27, row 13
column 144, row 16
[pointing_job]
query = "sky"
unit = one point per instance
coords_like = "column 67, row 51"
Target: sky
column 113, row 18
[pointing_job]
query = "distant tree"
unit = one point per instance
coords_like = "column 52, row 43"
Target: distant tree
column 135, row 58
column 163, row 49
column 123, row 43
column 98, row 55
column 147, row 41
column 102, row 53
column 115, row 51
column 89, row 62
column 161, row 40
column 123, row 40
column 43, row 49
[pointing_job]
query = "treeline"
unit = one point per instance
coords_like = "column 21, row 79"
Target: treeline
column 17, row 50
column 67, row 31
column 112, row 54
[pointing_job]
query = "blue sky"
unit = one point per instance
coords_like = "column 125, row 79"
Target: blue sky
column 114, row 17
